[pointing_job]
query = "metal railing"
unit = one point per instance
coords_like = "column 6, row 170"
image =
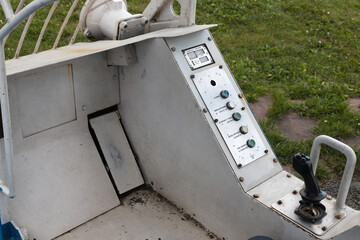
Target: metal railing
column 349, row 167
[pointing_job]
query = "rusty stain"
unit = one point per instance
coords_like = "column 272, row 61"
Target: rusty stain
column 83, row 50
column 340, row 216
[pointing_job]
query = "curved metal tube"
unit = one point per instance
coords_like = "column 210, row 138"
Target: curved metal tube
column 22, row 15
column 349, row 167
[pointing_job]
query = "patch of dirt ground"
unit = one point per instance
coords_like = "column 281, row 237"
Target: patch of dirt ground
column 354, row 104
column 261, row 106
column 295, row 127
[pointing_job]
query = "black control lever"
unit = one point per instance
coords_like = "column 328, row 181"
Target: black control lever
column 310, row 207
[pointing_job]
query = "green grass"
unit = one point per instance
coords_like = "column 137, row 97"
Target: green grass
column 292, row 49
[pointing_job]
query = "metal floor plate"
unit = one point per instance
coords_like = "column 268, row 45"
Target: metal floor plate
column 290, row 203
column 143, row 215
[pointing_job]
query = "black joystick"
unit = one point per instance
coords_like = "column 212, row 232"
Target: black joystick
column 310, row 207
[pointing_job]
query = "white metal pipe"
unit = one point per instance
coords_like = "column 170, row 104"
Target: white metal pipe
column 71, row 10
column 47, row 20
column 21, row 4
column 23, row 35
column 8, row 11
column 22, row 15
column 5, row 114
column 349, row 167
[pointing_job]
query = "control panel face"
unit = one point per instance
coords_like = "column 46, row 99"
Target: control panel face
column 230, row 115
column 198, row 57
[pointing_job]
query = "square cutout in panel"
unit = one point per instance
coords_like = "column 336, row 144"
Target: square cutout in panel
column 46, row 98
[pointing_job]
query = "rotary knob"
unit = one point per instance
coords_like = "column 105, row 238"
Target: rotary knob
column 224, row 93
column 251, row 143
column 230, row 105
column 236, row 116
column 244, row 129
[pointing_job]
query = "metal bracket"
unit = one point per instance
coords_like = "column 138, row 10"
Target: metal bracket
column 161, row 14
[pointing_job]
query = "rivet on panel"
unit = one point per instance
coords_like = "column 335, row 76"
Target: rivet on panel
column 279, row 202
column 239, row 165
column 192, row 76
column 288, row 175
column 209, row 38
column 173, row 49
column 205, row 110
column 216, row 120
column 328, row 197
column 256, row 195
column 241, row 179
column 240, row 95
column 295, row 192
column 221, row 66
column 274, row 160
column 266, row 151
column 324, row 228
column 243, row 108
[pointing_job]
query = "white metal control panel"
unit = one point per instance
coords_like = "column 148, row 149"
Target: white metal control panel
column 228, row 112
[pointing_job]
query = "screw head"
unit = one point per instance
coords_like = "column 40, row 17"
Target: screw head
column 295, row 192
column 205, row 110
column 288, row 175
column 274, row 160
column 256, row 195
column 192, row 76
column 209, row 38
column 239, row 165
column 328, row 197
column 240, row 95
column 216, row 120
column 221, row 66
column 173, row 49
column 241, row 179
column 279, row 202
column 266, row 151
column 324, row 228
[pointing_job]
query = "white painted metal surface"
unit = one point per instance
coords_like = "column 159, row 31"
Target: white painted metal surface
column 46, row 98
column 264, row 167
column 143, row 215
column 210, row 82
column 117, row 152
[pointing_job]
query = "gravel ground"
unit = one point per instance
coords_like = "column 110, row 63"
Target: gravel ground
column 353, row 199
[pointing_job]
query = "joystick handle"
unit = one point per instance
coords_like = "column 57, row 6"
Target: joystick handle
column 312, row 192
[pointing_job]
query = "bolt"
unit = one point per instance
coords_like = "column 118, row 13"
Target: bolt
column 209, row 38
column 288, row 175
column 339, row 216
column 279, row 202
column 216, row 120
column 243, row 108
column 266, row 151
column 192, row 76
column 328, row 197
column 324, row 228
column 256, row 195
column 274, row 160
column 241, row 179
column 173, row 49
column 295, row 192
column 239, row 95
column 239, row 165
column 221, row 66
column 205, row 110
